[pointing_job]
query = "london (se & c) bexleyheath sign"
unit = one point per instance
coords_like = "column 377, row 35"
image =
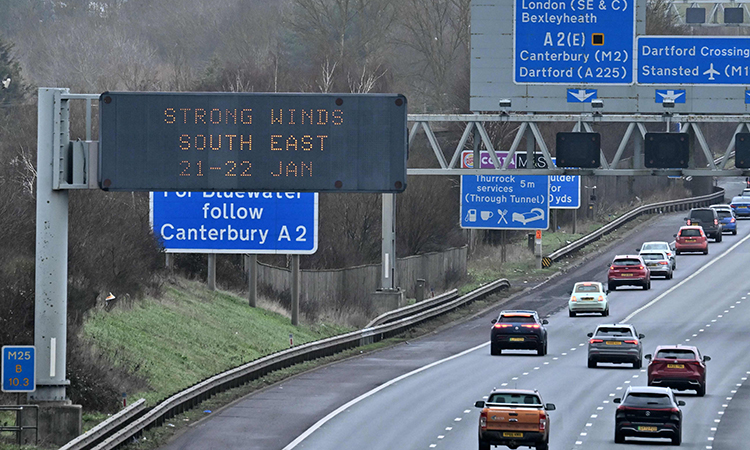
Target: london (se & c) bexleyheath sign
column 574, row 41
column 693, row 60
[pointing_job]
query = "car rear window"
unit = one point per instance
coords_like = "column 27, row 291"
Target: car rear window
column 652, row 256
column 676, row 354
column 587, row 288
column 516, row 319
column 654, row 246
column 520, row 399
column 702, row 215
column 626, row 262
column 614, row 332
column 647, row 399
column 690, row 232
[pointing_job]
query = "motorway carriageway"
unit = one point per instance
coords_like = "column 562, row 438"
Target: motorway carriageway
column 420, row 395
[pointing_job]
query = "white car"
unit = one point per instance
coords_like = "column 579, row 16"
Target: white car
column 587, row 297
column 660, row 246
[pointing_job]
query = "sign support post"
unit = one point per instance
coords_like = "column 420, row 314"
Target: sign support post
column 295, row 290
column 251, row 263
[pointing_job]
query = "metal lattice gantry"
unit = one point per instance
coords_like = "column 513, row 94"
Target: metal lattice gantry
column 528, row 127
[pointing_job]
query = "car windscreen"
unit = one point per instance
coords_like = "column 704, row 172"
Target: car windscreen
column 587, row 288
column 516, row 319
column 676, row 354
column 614, row 332
column 704, row 216
column 653, row 256
column 690, row 232
column 647, row 399
column 723, row 213
column 519, row 399
column 626, row 262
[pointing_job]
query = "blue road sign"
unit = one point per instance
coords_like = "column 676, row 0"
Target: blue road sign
column 693, row 60
column 581, row 41
column 19, row 368
column 581, row 95
column 676, row 95
column 505, row 202
column 236, row 222
column 565, row 190
column 747, row 96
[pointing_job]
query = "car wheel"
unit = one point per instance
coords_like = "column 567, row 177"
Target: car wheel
column 677, row 252
column 542, row 446
column 494, row 350
column 646, row 286
column 619, row 438
column 718, row 238
column 734, row 232
column 611, row 287
column 677, row 439
column 637, row 364
column 701, row 390
column 484, row 445
column 606, row 312
column 542, row 349
column 592, row 363
column 571, row 313
column 669, row 277
column 705, row 252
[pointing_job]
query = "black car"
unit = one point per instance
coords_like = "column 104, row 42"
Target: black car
column 518, row 330
column 708, row 219
column 651, row 412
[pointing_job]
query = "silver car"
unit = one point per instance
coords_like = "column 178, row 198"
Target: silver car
column 660, row 246
column 658, row 263
column 615, row 343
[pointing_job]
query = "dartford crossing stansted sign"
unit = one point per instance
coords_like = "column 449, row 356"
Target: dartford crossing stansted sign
column 236, row 222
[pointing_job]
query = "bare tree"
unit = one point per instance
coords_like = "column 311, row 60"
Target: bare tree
column 437, row 31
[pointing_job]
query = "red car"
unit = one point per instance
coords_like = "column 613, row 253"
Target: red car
column 628, row 270
column 691, row 239
column 678, row 367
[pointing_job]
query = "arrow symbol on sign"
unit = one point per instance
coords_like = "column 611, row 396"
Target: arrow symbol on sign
column 582, row 95
column 711, row 72
column 671, row 95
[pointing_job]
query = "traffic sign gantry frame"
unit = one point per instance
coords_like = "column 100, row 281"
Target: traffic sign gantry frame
column 293, row 142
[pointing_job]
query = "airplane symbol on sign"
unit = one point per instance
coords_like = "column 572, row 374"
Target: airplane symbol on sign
column 711, row 72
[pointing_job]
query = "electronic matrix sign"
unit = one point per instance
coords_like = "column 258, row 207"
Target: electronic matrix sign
column 252, row 142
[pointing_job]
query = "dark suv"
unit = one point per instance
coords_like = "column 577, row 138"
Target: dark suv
column 518, row 330
column 651, row 412
column 708, row 219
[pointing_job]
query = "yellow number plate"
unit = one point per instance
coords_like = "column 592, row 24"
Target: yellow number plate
column 516, row 339
column 627, row 274
column 515, row 434
column 675, row 366
column 690, row 240
column 644, row 428
column 614, row 343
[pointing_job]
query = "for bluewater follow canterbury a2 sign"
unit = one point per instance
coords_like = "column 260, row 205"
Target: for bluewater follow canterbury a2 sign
column 236, row 222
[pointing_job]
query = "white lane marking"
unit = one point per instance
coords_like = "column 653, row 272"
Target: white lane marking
column 695, row 274
column 589, row 424
column 433, row 445
column 599, row 408
column 441, row 437
column 504, row 384
column 467, row 411
column 457, row 419
column 579, row 442
column 594, row 416
column 372, row 392
column 448, row 428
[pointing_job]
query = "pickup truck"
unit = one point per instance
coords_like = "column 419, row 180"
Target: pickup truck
column 514, row 418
